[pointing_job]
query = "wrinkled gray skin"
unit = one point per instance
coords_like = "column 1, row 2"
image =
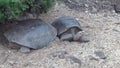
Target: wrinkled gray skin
column 69, row 29
column 31, row 33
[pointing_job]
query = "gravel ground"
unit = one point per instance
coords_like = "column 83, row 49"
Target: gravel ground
column 103, row 50
column 92, row 6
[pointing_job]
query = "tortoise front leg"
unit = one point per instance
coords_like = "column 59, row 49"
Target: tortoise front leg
column 24, row 49
column 66, row 37
column 73, row 32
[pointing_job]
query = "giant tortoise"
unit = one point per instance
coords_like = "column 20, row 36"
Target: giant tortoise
column 31, row 33
column 69, row 29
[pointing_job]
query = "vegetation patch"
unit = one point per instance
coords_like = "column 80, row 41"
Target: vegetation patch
column 10, row 9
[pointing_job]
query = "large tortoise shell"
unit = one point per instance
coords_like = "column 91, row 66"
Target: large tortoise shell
column 31, row 33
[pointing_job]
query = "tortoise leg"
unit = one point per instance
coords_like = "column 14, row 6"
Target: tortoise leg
column 73, row 32
column 66, row 37
column 24, row 49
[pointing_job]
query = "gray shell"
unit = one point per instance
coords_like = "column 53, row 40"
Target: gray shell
column 31, row 33
column 64, row 23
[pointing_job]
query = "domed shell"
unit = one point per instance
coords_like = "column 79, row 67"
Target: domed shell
column 64, row 23
column 31, row 33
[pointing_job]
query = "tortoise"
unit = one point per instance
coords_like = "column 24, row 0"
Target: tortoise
column 31, row 34
column 69, row 29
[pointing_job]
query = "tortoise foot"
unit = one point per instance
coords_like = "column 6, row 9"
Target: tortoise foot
column 66, row 37
column 24, row 50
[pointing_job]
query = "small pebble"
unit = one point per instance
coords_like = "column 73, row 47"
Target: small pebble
column 59, row 54
column 93, row 58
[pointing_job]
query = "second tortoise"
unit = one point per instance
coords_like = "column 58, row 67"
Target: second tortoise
column 69, row 29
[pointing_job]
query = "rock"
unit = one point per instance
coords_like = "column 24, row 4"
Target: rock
column 100, row 54
column 93, row 58
column 74, row 60
column 59, row 54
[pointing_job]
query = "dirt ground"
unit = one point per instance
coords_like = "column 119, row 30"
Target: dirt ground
column 103, row 50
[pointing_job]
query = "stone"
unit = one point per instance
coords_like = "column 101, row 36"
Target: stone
column 74, row 60
column 100, row 54
column 59, row 54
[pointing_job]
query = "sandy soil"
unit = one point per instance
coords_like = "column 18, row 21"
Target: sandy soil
column 103, row 29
